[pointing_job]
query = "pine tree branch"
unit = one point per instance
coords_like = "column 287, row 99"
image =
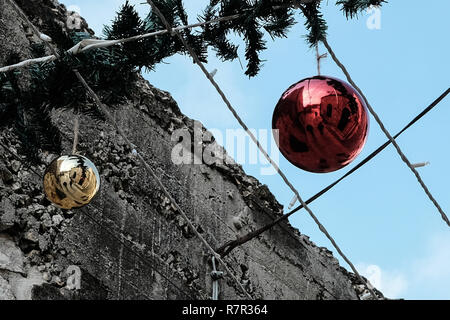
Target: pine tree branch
column 352, row 8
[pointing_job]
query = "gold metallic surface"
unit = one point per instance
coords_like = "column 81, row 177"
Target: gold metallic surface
column 71, row 181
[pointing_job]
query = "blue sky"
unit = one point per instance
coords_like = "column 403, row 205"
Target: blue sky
column 380, row 217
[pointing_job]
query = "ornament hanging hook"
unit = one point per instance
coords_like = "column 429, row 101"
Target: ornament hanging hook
column 319, row 57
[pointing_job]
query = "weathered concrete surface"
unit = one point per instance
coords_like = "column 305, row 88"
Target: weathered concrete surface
column 130, row 242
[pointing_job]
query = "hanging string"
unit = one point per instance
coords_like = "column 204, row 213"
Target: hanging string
column 90, row 44
column 386, row 132
column 263, row 151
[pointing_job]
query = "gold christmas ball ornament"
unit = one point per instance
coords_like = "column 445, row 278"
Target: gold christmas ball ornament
column 71, row 181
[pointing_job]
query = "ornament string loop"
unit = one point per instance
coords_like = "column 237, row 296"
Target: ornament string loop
column 229, row 246
column 210, row 77
column 319, row 57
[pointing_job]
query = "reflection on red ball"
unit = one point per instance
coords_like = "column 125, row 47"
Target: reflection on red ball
column 322, row 124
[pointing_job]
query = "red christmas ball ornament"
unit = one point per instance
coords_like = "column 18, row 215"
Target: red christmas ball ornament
column 322, row 124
